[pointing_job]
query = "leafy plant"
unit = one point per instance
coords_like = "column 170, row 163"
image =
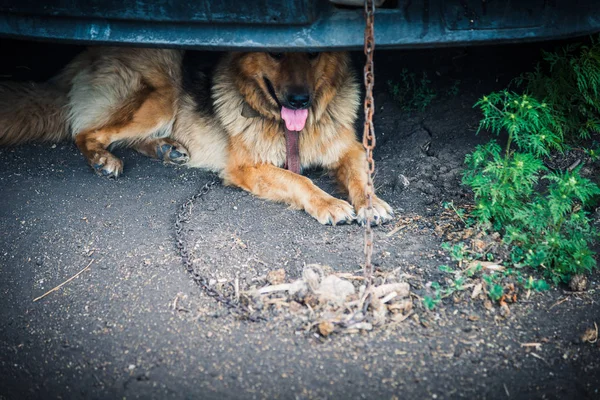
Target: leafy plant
column 454, row 90
column 495, row 290
column 539, row 285
column 541, row 213
column 462, row 278
column 460, row 213
column 431, row 302
column 411, row 92
column 569, row 79
column 493, row 280
column 458, row 252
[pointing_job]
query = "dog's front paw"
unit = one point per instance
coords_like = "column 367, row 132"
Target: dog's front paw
column 382, row 212
column 332, row 211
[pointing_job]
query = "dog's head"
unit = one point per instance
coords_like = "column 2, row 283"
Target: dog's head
column 288, row 85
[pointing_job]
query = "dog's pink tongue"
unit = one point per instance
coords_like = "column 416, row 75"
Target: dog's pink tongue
column 294, row 119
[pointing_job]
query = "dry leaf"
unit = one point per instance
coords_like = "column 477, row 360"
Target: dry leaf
column 491, row 266
column 477, row 290
column 401, row 288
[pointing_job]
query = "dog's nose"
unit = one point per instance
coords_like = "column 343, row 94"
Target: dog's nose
column 298, row 100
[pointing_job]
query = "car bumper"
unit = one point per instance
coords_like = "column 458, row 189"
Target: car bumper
column 296, row 25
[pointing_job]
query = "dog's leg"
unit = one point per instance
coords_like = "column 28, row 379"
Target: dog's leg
column 155, row 111
column 352, row 174
column 277, row 184
column 165, row 149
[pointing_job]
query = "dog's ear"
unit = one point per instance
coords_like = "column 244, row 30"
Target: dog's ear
column 249, row 112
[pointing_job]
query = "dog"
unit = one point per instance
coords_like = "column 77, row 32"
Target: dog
column 257, row 120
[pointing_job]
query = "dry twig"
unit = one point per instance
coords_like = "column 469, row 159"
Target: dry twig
column 54, row 289
column 538, row 346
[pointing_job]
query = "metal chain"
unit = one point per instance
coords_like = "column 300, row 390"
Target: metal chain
column 369, row 132
column 183, row 217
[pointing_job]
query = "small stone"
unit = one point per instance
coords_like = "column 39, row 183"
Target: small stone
column 326, row 328
column 488, row 305
column 479, row 245
column 458, row 351
column 578, row 283
column 403, row 180
column 295, row 307
column 590, row 335
column 276, row 277
column 334, row 289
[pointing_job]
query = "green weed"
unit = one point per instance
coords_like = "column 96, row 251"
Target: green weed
column 411, row 92
column 541, row 213
column 569, row 79
column 493, row 280
column 454, row 90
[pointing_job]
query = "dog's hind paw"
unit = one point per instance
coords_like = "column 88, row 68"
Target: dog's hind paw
column 105, row 164
column 172, row 152
column 382, row 213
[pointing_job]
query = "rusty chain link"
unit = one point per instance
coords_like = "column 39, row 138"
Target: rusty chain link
column 183, row 217
column 369, row 132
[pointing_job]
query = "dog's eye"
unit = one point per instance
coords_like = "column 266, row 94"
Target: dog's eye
column 276, row 56
column 312, row 56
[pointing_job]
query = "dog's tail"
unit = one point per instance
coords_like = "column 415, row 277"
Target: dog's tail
column 33, row 112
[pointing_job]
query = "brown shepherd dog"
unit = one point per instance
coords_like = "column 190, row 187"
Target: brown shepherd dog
column 263, row 118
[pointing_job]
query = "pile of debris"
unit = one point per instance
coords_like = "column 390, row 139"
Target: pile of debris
column 329, row 302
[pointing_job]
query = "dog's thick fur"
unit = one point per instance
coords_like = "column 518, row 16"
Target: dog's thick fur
column 156, row 102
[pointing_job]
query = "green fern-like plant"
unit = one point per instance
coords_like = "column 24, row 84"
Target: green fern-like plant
column 552, row 231
column 541, row 213
column 569, row 79
column 533, row 126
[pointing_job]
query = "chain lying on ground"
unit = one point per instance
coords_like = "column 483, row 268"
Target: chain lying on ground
column 183, row 217
column 369, row 133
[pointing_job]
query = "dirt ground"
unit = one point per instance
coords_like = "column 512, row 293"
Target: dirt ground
column 134, row 325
